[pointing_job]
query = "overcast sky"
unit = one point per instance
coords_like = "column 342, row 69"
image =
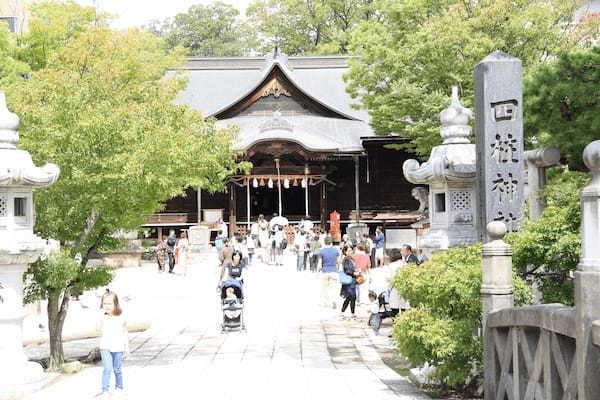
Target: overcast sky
column 139, row 12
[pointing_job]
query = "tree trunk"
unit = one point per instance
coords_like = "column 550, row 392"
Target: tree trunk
column 57, row 312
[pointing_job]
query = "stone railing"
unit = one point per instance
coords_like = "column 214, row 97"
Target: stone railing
column 533, row 353
column 549, row 352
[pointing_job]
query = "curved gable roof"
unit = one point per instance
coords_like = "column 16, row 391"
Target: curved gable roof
column 217, row 84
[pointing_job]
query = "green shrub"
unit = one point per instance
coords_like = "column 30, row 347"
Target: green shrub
column 442, row 326
column 548, row 249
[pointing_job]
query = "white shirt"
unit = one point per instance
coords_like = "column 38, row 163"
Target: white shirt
column 300, row 241
column 254, row 229
column 113, row 333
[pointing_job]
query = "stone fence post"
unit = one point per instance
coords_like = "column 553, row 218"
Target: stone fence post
column 496, row 292
column 587, row 280
column 537, row 161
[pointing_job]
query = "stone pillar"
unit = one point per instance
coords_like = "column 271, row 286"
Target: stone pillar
column 587, row 280
column 497, row 285
column 499, row 129
column 19, row 246
column 537, row 161
column 496, row 294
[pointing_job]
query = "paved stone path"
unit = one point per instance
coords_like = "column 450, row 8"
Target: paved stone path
column 293, row 348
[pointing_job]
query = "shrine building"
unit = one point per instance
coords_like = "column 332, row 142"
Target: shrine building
column 312, row 152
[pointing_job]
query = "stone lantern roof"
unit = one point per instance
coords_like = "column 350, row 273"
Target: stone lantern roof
column 454, row 160
column 16, row 166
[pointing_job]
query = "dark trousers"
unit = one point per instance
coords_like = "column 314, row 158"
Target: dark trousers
column 314, row 262
column 349, row 300
column 373, row 259
column 171, row 261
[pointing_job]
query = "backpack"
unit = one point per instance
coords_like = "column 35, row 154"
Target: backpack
column 235, row 271
column 171, row 241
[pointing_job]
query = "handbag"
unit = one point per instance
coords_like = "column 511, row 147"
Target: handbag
column 360, row 279
column 344, row 278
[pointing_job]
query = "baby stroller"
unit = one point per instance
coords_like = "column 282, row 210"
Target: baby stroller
column 384, row 310
column 232, row 306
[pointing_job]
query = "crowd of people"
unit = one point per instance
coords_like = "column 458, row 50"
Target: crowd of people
column 345, row 267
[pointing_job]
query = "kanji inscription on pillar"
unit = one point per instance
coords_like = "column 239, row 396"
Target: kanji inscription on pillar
column 499, row 129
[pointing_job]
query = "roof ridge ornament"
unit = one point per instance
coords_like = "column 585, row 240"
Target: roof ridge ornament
column 276, row 56
column 9, row 123
column 276, row 122
column 455, row 121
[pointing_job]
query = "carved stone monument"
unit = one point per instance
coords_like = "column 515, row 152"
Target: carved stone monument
column 450, row 174
column 499, row 128
column 19, row 246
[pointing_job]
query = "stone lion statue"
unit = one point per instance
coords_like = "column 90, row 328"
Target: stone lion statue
column 422, row 195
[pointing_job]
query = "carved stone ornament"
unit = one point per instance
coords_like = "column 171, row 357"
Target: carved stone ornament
column 454, row 160
column 422, row 196
column 16, row 166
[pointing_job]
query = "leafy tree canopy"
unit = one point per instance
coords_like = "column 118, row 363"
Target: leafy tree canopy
column 309, row 26
column 410, row 59
column 207, row 31
column 100, row 104
column 562, row 103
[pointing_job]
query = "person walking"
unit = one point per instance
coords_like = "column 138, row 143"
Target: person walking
column 315, row 249
column 161, row 254
column 348, row 291
column 226, row 253
column 171, row 244
column 329, row 256
column 183, row 245
column 279, row 244
column 363, row 263
column 300, row 245
column 264, row 242
column 397, row 303
column 251, row 246
column 379, row 246
column 114, row 342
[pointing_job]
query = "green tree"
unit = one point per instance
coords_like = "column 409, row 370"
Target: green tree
column 207, row 30
column 11, row 69
column 52, row 25
column 562, row 106
column 102, row 108
column 548, row 249
column 56, row 278
column 308, row 26
column 409, row 60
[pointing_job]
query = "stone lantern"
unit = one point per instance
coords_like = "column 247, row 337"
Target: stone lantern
column 450, row 173
column 19, row 246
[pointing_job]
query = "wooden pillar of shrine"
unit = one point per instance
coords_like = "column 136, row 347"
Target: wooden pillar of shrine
column 232, row 210
column 323, row 207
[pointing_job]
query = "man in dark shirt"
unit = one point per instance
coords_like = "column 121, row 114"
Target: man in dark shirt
column 408, row 256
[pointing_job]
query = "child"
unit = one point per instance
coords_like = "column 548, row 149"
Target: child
column 373, row 310
column 114, row 342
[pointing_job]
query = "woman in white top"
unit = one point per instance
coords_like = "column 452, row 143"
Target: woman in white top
column 183, row 245
column 114, row 342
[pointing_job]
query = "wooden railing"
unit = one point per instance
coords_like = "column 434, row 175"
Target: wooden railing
column 172, row 218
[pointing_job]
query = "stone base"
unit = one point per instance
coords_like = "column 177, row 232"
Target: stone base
column 20, row 380
column 122, row 259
